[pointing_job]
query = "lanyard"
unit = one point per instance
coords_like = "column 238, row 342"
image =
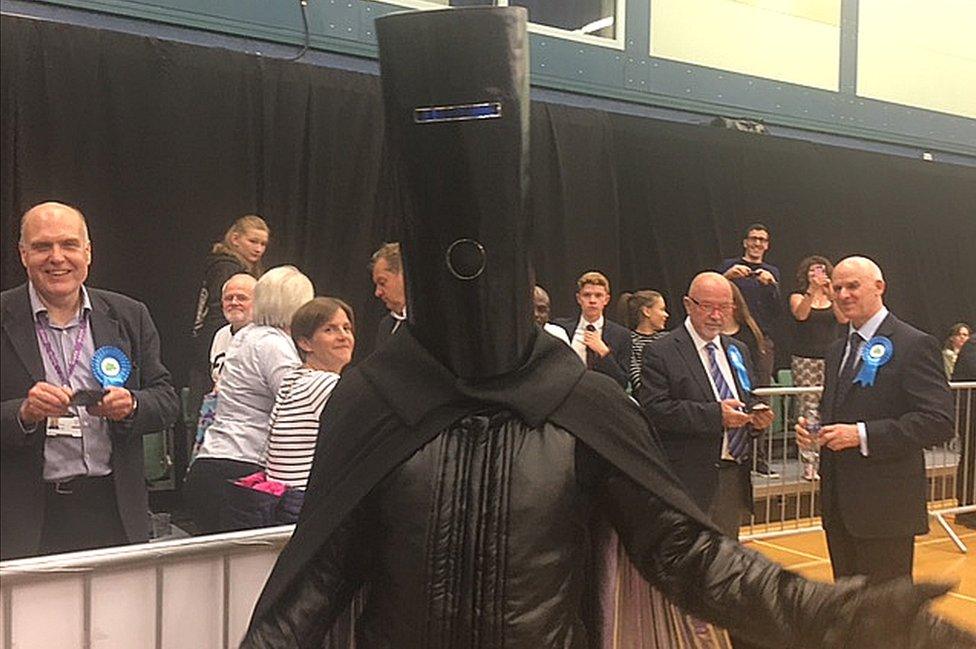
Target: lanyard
column 65, row 376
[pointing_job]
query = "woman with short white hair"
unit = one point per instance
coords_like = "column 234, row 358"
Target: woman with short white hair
column 258, row 359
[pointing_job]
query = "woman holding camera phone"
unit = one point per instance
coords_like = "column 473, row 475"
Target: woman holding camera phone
column 817, row 321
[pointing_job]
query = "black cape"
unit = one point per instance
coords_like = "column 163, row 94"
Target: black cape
column 400, row 398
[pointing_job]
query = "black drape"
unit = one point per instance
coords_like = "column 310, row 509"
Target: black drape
column 163, row 144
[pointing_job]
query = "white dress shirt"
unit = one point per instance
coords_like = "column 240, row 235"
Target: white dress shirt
column 723, row 365
column 577, row 343
column 866, row 331
column 557, row 331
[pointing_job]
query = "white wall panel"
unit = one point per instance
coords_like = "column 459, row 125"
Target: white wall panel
column 124, row 609
column 48, row 614
column 192, row 604
column 3, row 614
column 248, row 572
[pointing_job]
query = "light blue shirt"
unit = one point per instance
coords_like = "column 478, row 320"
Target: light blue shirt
column 68, row 457
column 866, row 331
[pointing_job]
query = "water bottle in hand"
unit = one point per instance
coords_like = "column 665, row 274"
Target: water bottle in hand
column 812, row 425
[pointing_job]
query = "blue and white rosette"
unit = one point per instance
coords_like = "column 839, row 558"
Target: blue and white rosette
column 735, row 357
column 111, row 366
column 876, row 353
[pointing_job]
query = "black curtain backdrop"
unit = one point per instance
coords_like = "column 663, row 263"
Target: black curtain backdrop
column 163, row 144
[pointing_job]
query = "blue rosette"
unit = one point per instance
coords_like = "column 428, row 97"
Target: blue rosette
column 111, row 366
column 875, row 354
column 735, row 357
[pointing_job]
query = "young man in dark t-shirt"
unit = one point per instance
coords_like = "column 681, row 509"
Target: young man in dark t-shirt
column 759, row 283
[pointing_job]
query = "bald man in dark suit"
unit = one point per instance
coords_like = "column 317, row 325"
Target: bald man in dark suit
column 885, row 399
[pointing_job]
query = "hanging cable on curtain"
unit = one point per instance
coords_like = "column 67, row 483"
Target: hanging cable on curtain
column 303, row 5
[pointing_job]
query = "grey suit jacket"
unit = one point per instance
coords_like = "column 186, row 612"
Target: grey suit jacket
column 115, row 320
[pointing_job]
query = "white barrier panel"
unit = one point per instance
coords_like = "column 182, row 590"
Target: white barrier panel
column 188, row 593
column 786, row 503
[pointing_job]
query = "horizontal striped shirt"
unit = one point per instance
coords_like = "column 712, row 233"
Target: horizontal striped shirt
column 295, row 424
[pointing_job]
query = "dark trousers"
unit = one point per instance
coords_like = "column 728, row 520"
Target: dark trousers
column 205, row 494
column 731, row 498
column 81, row 514
column 729, row 504
column 877, row 559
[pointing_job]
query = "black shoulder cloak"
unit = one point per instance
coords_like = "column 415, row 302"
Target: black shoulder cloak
column 400, row 398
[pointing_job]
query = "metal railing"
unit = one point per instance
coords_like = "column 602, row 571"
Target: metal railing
column 786, row 503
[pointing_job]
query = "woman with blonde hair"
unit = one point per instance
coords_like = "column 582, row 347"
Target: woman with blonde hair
column 259, row 358
column 239, row 251
column 744, row 328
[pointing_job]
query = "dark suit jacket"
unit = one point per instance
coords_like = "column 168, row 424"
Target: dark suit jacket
column 908, row 408
column 965, row 369
column 386, row 329
column 115, row 320
column 677, row 395
column 617, row 338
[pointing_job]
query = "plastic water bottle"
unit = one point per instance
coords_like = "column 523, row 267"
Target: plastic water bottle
column 812, row 418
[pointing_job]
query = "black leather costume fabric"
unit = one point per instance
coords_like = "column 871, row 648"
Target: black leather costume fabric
column 469, row 520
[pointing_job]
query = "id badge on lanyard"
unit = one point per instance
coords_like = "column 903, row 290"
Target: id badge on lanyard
column 69, row 426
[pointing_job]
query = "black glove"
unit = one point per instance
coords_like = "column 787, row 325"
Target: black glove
column 894, row 615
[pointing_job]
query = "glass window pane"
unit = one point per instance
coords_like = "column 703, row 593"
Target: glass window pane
column 593, row 17
column 797, row 41
column 918, row 53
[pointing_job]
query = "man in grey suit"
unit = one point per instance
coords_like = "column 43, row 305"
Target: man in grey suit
column 72, row 463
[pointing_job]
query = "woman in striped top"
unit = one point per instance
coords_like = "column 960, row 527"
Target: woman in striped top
column 323, row 333
column 645, row 314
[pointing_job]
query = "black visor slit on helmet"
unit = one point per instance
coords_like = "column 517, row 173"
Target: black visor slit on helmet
column 465, row 259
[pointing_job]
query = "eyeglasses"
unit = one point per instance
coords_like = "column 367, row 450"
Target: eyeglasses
column 708, row 307
column 757, row 239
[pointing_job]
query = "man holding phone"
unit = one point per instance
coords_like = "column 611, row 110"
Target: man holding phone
column 758, row 281
column 696, row 390
column 72, row 461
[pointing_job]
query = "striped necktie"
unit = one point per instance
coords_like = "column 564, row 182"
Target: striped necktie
column 738, row 437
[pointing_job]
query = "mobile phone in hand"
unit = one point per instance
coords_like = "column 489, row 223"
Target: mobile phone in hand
column 87, row 397
column 757, row 407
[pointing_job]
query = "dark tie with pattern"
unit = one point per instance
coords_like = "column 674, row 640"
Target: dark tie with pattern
column 590, row 354
column 738, row 437
column 850, row 364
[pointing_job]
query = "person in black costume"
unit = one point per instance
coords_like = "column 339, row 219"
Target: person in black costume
column 466, row 456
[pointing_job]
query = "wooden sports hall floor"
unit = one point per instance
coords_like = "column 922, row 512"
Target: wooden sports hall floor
column 936, row 558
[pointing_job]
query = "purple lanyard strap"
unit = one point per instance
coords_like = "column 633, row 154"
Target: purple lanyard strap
column 65, row 376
